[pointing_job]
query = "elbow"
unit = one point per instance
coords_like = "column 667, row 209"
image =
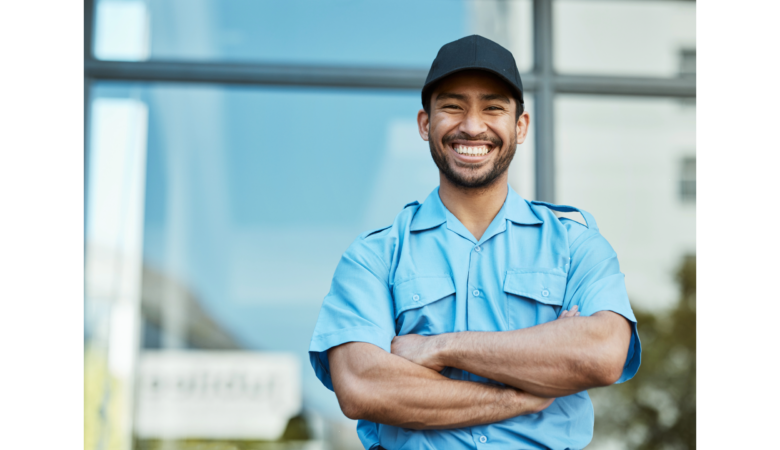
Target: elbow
column 609, row 368
column 610, row 374
column 359, row 399
column 350, row 403
column 609, row 355
column 597, row 373
column 612, row 345
column 351, row 409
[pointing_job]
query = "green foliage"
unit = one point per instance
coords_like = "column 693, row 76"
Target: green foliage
column 657, row 408
column 295, row 437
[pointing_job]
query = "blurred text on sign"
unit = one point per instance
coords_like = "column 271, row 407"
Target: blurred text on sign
column 217, row 394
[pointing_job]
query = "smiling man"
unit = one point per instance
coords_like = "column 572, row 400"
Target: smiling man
column 478, row 319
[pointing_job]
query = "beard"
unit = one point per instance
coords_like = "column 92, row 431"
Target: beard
column 472, row 176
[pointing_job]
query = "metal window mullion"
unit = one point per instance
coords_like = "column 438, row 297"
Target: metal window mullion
column 366, row 77
column 89, row 21
column 544, row 101
column 257, row 74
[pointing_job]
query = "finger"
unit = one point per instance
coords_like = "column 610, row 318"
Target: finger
column 574, row 308
column 563, row 314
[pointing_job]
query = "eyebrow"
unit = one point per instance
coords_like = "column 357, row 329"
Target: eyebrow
column 500, row 97
column 484, row 97
column 450, row 95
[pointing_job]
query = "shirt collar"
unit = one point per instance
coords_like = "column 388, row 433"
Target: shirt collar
column 433, row 213
column 518, row 210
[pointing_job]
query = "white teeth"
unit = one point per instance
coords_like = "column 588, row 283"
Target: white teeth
column 471, row 150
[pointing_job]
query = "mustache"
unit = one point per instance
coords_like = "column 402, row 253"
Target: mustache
column 465, row 137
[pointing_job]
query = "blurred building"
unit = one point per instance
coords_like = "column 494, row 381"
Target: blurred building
column 236, row 148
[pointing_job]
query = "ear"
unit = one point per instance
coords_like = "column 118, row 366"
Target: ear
column 522, row 127
column 423, row 124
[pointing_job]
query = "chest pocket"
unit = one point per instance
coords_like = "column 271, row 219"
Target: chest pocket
column 533, row 296
column 425, row 305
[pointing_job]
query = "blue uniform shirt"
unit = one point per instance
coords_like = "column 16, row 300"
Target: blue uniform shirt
column 427, row 274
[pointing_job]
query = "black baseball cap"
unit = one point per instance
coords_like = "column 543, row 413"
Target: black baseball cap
column 474, row 52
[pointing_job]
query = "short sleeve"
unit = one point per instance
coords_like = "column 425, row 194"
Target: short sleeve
column 368, row 434
column 358, row 308
column 595, row 284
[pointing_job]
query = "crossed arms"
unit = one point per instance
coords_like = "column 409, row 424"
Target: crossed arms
column 404, row 388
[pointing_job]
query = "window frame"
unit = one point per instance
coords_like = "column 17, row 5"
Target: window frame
column 542, row 81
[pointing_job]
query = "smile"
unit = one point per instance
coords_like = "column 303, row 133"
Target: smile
column 472, row 150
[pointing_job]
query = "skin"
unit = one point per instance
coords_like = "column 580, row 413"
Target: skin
column 374, row 385
column 553, row 359
column 478, row 109
column 403, row 388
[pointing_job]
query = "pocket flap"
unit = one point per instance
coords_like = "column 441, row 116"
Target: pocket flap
column 421, row 291
column 546, row 286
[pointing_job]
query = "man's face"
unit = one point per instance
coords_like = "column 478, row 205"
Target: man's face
column 472, row 131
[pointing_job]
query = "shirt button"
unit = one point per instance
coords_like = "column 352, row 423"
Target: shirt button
column 476, row 293
column 478, row 248
column 416, row 297
column 545, row 293
column 483, row 439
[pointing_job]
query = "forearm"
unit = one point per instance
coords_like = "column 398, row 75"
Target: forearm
column 550, row 360
column 374, row 385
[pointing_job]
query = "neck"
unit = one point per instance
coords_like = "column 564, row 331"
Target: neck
column 474, row 207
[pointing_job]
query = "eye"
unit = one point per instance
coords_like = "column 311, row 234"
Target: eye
column 494, row 108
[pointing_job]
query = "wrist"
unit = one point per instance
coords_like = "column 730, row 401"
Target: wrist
column 516, row 401
column 443, row 349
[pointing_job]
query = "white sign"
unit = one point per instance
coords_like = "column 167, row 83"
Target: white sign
column 216, row 394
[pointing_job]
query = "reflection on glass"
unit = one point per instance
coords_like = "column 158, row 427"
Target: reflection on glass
column 224, row 395
column 338, row 32
column 623, row 38
column 122, row 30
column 619, row 159
column 114, row 240
column 252, row 195
column 510, row 23
column 402, row 33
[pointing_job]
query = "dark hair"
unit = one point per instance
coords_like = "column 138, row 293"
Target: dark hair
column 428, row 93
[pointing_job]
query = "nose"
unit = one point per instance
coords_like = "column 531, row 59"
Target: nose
column 473, row 124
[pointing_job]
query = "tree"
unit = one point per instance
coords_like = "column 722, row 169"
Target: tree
column 657, row 408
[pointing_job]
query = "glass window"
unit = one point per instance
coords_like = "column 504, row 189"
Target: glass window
column 251, row 196
column 622, row 38
column 335, row 32
column 522, row 172
column 121, row 30
column 688, row 179
column 688, row 62
column 236, row 202
column 510, row 23
column 400, row 33
column 619, row 159
column 116, row 166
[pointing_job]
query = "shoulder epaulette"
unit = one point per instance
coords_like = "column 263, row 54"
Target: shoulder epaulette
column 590, row 222
column 374, row 231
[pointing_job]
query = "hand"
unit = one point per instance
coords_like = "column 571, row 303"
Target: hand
column 569, row 313
column 422, row 350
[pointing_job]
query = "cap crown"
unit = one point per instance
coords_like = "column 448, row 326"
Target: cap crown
column 474, row 52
